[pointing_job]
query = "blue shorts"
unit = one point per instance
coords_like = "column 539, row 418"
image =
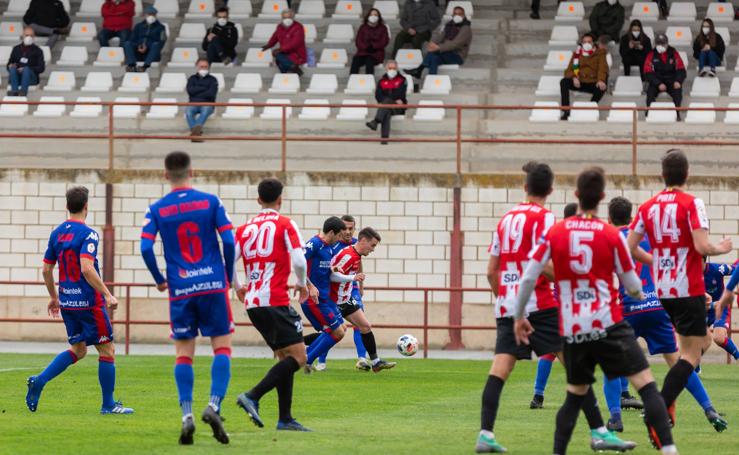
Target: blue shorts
column 209, row 313
column 90, row 325
column 656, row 329
column 721, row 323
column 323, row 316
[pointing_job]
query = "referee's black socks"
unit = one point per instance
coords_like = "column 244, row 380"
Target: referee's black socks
column 676, row 380
column 566, row 419
column 655, row 412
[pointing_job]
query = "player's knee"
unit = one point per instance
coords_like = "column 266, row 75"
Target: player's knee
column 300, row 356
column 106, row 350
column 719, row 337
column 80, row 350
column 338, row 333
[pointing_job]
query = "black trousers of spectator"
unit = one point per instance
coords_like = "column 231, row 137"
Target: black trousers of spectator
column 631, row 60
column 565, row 85
column 675, row 93
column 416, row 40
column 535, row 4
column 217, row 52
column 383, row 116
column 366, row 61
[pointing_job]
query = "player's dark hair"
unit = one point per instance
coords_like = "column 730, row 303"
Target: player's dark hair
column 77, row 198
column 369, row 233
column 591, row 183
column 222, row 9
column 333, row 224
column 539, row 178
column 619, row 211
column 348, row 219
column 177, row 164
column 269, row 190
column 675, row 167
column 570, row 209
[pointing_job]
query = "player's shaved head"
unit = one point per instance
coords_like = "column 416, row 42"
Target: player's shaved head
column 539, row 178
column 77, row 199
column 570, row 209
column 333, row 225
column 269, row 190
column 675, row 168
column 619, row 211
column 591, row 184
column 177, row 164
column 369, row 234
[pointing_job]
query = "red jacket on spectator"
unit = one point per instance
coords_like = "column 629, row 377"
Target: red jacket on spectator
column 118, row 16
column 372, row 41
column 291, row 40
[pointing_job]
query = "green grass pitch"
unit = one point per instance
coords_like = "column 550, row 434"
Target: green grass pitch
column 422, row 406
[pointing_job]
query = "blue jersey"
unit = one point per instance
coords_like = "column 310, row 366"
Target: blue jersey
column 338, row 246
column 68, row 243
column 318, row 255
column 713, row 276
column 651, row 302
column 189, row 222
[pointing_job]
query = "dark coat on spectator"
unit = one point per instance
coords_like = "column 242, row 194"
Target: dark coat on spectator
column 49, row 13
column 33, row 53
column 202, row 89
column 372, row 40
column 229, row 36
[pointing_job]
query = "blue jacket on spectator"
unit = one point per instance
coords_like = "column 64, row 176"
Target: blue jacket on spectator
column 34, row 58
column 148, row 34
column 202, row 89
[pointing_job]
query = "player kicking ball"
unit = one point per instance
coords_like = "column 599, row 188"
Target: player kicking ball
column 81, row 301
column 586, row 252
column 268, row 244
column 189, row 222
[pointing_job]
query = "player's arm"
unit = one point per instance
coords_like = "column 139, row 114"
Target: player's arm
column 633, row 240
column 87, row 264
column 534, row 269
column 48, row 274
column 225, row 229
column 727, row 298
column 494, row 273
column 705, row 247
column 148, row 236
column 298, row 257
column 361, row 283
column 549, row 271
column 631, row 283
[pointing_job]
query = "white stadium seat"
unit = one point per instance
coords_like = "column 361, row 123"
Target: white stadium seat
column 645, row 11
column 310, row 33
column 272, row 9
column 5, row 53
column 430, row 114
column 162, row 112
column 13, row 110
column 285, row 83
column 353, row 110
column 388, row 8
column 557, row 60
column 360, row 84
column 135, row 82
column 247, row 83
column 60, row 81
column 239, row 112
column 239, row 9
column 706, row 87
column 323, row 84
column 183, row 57
column 126, row 111
column 570, row 11
column 257, row 58
column 311, row 9
column 549, row 115
column 262, row 33
column 700, row 116
column 621, row 116
column 172, row 83
column 82, row 32
column 339, row 34
column 684, row 58
column 725, row 34
column 17, row 8
column 564, row 35
column 734, row 90
column 275, row 112
column 665, row 116
column 90, row 8
column 628, row 86
column 168, row 9
column 682, row 12
column 73, row 56
column 221, row 81
column 333, row 58
column 732, row 117
column 649, row 31
column 191, row 33
column 87, row 110
column 98, row 81
column 436, row 84
column 10, row 31
column 679, row 36
column 47, row 54
column 584, row 115
column 720, row 12
column 409, row 58
column 348, row 9
column 548, row 86
column 469, row 9
column 315, row 113
column 50, row 110
column 200, row 9
column 109, row 56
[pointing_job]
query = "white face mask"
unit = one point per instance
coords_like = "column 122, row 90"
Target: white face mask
column 203, row 73
column 612, row 2
column 28, row 40
column 151, row 19
column 222, row 21
column 706, row 30
column 636, row 33
column 661, row 49
column 287, row 22
column 392, row 73
column 457, row 19
column 373, row 19
column 587, row 47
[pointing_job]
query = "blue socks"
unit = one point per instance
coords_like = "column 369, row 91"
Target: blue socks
column 106, row 377
column 695, row 387
column 185, row 379
column 612, row 390
column 220, row 374
column 57, row 366
column 361, row 350
column 322, row 345
column 729, row 346
column 543, row 369
column 624, row 385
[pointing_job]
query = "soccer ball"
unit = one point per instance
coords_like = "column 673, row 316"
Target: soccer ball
column 407, row 345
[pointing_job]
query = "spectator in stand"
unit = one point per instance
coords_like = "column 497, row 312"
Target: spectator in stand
column 221, row 40
column 418, row 19
column 607, row 18
column 202, row 87
column 391, row 89
column 25, row 65
column 665, row 72
column 47, row 18
column 535, row 4
column 372, row 38
column 447, row 47
column 634, row 47
column 290, row 35
column 708, row 49
column 146, row 42
column 586, row 72
column 117, row 21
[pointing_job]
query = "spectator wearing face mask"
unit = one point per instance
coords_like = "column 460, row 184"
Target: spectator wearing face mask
column 372, row 38
column 449, row 46
column 47, row 18
column 220, row 41
column 146, row 42
column 391, row 89
column 708, row 49
column 634, row 47
column 117, row 21
column 290, row 35
column 586, row 72
column 665, row 72
column 607, row 18
column 418, row 19
column 202, row 87
column 25, row 64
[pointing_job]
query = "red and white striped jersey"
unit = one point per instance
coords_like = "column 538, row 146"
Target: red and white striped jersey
column 265, row 243
column 586, row 252
column 346, row 262
column 668, row 219
column 520, row 229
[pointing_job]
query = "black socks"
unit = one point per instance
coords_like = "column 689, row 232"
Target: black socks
column 309, row 339
column 276, row 374
column 566, row 420
column 285, row 391
column 490, row 401
column 655, row 412
column 676, row 380
column 368, row 339
column 591, row 411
